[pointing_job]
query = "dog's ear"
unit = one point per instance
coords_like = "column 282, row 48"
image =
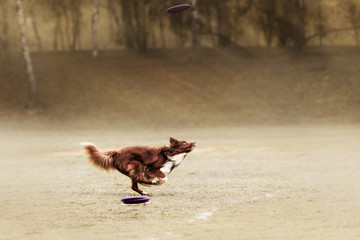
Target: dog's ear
column 172, row 140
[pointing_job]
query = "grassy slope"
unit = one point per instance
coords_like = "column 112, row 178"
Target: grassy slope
column 249, row 86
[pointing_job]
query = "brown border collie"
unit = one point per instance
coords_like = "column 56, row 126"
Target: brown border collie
column 143, row 164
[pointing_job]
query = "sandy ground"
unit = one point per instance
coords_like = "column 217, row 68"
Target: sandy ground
column 240, row 183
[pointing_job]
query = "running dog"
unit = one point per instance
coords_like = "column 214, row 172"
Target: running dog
column 143, row 164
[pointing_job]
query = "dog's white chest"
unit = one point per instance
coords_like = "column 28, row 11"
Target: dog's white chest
column 177, row 159
column 174, row 162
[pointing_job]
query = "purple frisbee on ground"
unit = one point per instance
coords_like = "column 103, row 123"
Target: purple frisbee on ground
column 178, row 8
column 135, row 200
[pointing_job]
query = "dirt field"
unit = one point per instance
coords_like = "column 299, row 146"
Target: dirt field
column 240, row 183
column 297, row 178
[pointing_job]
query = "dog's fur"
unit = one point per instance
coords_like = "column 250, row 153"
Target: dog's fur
column 143, row 164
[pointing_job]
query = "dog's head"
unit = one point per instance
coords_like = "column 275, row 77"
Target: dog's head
column 177, row 147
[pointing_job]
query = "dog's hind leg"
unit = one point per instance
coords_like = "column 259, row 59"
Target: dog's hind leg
column 137, row 172
column 135, row 187
column 136, row 175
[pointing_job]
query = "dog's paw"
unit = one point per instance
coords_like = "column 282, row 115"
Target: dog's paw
column 156, row 181
column 163, row 180
column 146, row 194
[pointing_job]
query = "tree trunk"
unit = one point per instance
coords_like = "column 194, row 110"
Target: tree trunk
column 5, row 27
column 320, row 23
column 161, row 22
column 26, row 52
column 75, row 14
column 357, row 38
column 33, row 21
column 223, row 12
column 268, row 31
column 141, row 12
column 74, row 34
column 145, row 27
column 140, row 15
column 195, row 29
column 153, row 37
column 67, row 29
column 56, row 31
column 94, row 23
column 110, row 16
column 299, row 25
column 210, row 30
column 61, row 36
column 112, row 12
column 58, row 34
column 127, row 23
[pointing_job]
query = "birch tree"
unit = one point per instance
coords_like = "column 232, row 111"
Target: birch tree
column 26, row 52
column 95, row 16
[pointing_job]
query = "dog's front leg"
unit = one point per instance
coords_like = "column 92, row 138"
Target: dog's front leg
column 157, row 176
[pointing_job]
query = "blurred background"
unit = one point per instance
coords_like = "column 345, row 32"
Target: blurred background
column 269, row 90
column 220, row 63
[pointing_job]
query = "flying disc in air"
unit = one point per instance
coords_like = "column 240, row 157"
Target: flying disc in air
column 135, row 200
column 178, row 8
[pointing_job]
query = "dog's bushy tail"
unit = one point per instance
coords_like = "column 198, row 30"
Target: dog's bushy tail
column 99, row 159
